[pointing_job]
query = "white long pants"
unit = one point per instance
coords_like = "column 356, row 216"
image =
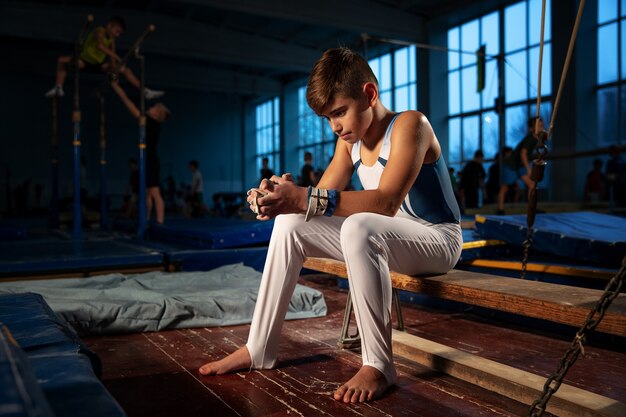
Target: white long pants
column 371, row 245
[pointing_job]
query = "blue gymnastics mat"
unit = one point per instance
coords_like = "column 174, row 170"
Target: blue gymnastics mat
column 20, row 393
column 59, row 363
column 214, row 233
column 207, row 259
column 584, row 236
column 12, row 231
column 53, row 255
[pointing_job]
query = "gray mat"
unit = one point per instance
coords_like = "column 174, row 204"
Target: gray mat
column 156, row 301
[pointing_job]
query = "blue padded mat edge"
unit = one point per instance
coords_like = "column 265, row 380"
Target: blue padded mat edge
column 207, row 259
column 20, row 393
column 65, row 368
column 211, row 233
column 591, row 237
column 49, row 255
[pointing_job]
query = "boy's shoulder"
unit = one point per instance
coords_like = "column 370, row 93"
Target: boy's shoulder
column 411, row 117
column 410, row 120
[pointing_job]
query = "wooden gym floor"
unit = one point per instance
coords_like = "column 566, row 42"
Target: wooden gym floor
column 155, row 374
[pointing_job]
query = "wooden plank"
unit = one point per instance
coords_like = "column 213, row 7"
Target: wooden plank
column 558, row 303
column 564, row 270
column 519, row 385
column 482, row 243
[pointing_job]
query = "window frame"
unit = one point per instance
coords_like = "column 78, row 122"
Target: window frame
column 267, row 134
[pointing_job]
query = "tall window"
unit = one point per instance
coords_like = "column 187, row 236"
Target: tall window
column 268, row 134
column 522, row 34
column 397, row 78
column 611, row 72
column 315, row 134
column 473, row 120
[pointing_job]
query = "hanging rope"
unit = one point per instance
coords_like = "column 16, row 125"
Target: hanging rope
column 613, row 288
column 539, row 164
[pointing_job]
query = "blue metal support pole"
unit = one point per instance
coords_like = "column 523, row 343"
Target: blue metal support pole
column 103, row 164
column 54, row 200
column 77, row 232
column 143, row 212
column 141, row 226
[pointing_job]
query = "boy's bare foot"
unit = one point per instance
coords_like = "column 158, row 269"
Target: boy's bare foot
column 368, row 384
column 239, row 359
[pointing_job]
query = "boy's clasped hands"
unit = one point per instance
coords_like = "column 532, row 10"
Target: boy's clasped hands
column 278, row 195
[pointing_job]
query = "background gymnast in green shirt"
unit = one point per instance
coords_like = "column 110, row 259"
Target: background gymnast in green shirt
column 99, row 44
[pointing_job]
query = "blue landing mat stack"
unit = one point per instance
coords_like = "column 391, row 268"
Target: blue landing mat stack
column 12, row 231
column 20, row 393
column 45, row 356
column 50, row 255
column 211, row 233
column 582, row 236
column 207, row 259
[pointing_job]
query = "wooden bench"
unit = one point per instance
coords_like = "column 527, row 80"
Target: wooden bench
column 546, row 301
column 553, row 302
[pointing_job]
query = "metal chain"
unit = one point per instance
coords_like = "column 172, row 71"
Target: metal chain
column 527, row 245
column 596, row 314
column 612, row 289
column 539, row 166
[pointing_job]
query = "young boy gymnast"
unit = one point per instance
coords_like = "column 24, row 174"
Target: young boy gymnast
column 99, row 44
column 406, row 219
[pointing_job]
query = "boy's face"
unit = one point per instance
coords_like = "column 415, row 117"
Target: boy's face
column 349, row 118
column 114, row 30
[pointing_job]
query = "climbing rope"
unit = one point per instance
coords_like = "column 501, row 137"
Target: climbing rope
column 539, row 164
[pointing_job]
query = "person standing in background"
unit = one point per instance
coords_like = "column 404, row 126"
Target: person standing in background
column 307, row 174
column 473, row 180
column 266, row 171
column 197, row 187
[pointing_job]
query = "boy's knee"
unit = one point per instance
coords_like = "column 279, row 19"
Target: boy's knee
column 356, row 230
column 287, row 223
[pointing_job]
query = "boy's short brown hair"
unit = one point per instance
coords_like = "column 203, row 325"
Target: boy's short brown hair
column 340, row 71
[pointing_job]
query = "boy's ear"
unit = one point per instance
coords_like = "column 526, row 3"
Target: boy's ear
column 371, row 92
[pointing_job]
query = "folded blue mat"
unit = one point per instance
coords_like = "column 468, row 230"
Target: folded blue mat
column 62, row 366
column 20, row 393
